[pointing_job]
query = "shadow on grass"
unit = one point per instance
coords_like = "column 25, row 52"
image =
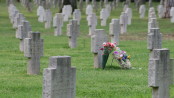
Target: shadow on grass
column 109, row 67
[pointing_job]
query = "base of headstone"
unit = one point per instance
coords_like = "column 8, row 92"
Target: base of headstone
column 33, row 66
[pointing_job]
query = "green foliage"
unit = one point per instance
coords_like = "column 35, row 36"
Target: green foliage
column 112, row 82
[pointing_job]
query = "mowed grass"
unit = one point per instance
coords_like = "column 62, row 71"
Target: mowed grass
column 112, row 82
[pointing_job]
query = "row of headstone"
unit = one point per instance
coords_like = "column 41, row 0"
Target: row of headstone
column 59, row 79
column 161, row 67
column 30, row 42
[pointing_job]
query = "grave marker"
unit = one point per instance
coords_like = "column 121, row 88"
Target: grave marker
column 129, row 13
column 22, row 33
column 92, row 23
column 66, row 11
column 58, row 24
column 104, row 16
column 40, row 13
column 97, row 41
column 33, row 50
column 142, row 11
column 123, row 22
column 114, row 30
column 172, row 15
column 72, row 33
column 77, row 15
column 59, row 79
column 160, row 11
column 47, row 18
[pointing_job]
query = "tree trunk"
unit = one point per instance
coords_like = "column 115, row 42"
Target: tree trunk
column 167, row 6
column 73, row 3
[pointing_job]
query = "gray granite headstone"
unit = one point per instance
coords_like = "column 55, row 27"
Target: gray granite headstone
column 33, row 50
column 97, row 41
column 66, row 11
column 59, row 79
column 114, row 30
column 58, row 24
column 123, row 22
column 22, row 33
column 77, row 15
column 160, row 11
column 92, row 23
column 72, row 33
column 129, row 13
column 159, row 73
column 172, row 15
column 47, row 18
column 142, row 11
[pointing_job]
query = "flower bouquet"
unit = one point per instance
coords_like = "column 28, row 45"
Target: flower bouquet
column 122, row 58
column 107, row 49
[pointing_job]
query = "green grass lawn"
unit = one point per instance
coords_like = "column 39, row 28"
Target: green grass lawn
column 112, row 82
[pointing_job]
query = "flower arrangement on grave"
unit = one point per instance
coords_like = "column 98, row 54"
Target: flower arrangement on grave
column 122, row 57
column 108, row 47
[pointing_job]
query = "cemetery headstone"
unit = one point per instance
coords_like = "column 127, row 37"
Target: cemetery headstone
column 59, row 79
column 114, row 30
column 172, row 15
column 89, row 10
column 81, row 5
column 92, row 23
column 142, row 11
column 58, row 24
column 129, row 13
column 18, row 20
column 72, row 33
column 123, row 22
column 77, row 15
column 97, row 41
column 47, row 18
column 159, row 73
column 22, row 33
column 40, row 13
column 104, row 16
column 152, row 24
column 66, row 11
column 160, row 11
column 33, row 50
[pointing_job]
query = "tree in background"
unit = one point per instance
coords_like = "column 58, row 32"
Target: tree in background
column 167, row 6
column 73, row 3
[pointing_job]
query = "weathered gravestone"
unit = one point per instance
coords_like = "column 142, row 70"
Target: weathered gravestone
column 12, row 11
column 97, row 41
column 152, row 24
column 47, row 18
column 58, row 24
column 114, row 30
column 172, row 15
column 125, row 7
column 15, row 14
column 104, row 16
column 72, row 33
column 40, row 13
column 108, row 7
column 18, row 20
column 151, row 13
column 129, row 13
column 59, row 79
column 105, row 2
column 123, row 22
column 92, row 23
column 66, row 11
column 8, row 2
column 89, row 10
column 160, row 72
column 22, row 33
column 160, row 11
column 33, row 50
column 154, row 39
column 77, row 15
column 142, row 11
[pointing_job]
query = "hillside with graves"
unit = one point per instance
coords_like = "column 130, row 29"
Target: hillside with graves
column 93, row 49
